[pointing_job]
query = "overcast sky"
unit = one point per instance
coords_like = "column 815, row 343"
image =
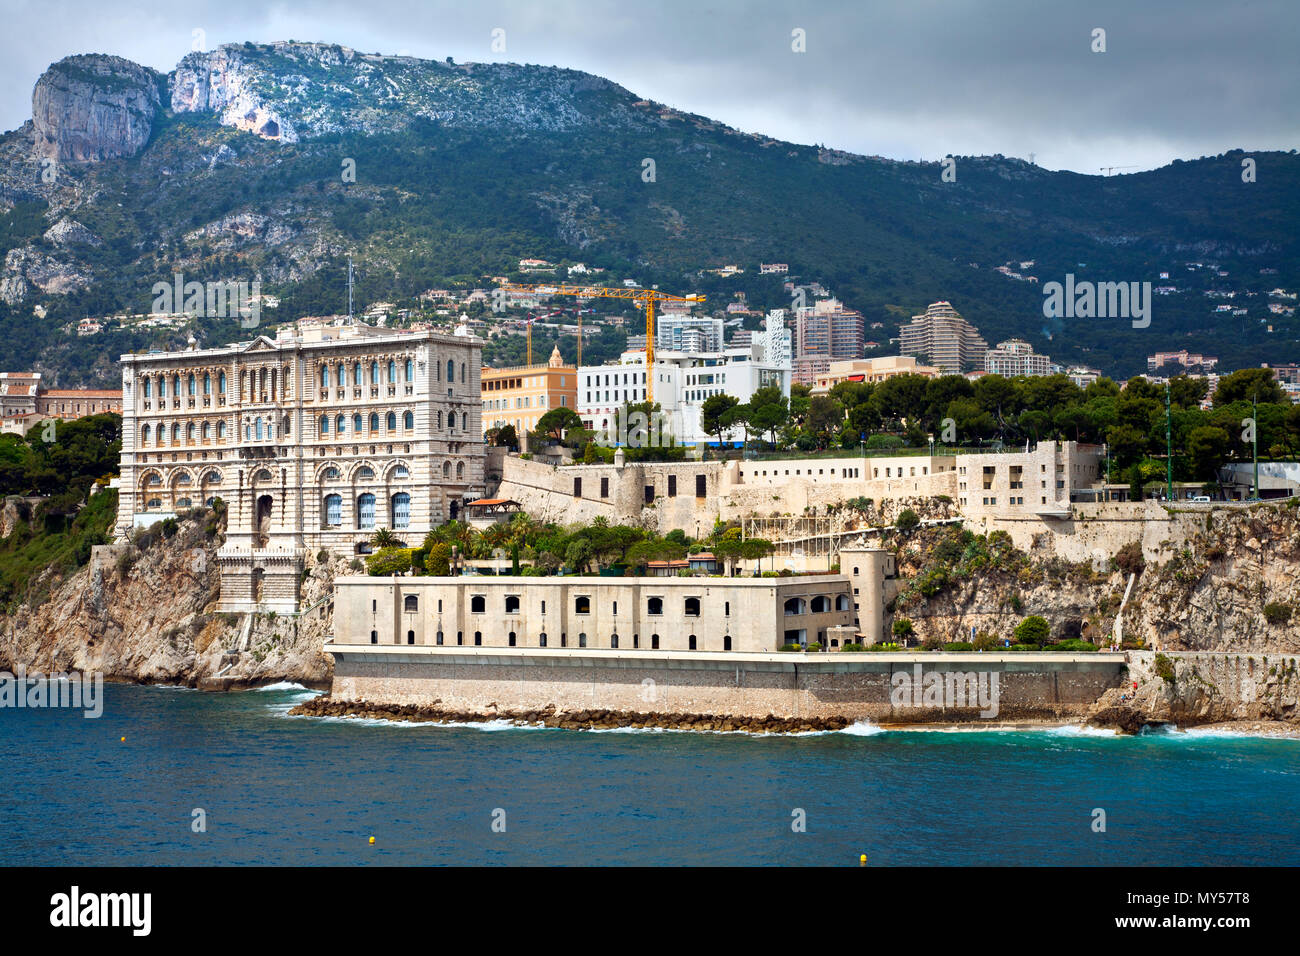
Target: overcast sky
column 910, row 79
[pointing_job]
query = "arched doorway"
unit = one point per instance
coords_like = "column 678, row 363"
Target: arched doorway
column 455, row 509
column 262, row 521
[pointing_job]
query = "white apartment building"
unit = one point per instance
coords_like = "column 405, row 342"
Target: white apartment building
column 1016, row 357
column 683, row 381
column 688, row 333
column 313, row 439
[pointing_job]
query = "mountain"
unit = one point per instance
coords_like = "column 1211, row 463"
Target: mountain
column 235, row 166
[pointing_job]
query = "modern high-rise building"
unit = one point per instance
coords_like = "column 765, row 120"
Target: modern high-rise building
column 1016, row 357
column 313, row 439
column 688, row 333
column 825, row 332
column 942, row 337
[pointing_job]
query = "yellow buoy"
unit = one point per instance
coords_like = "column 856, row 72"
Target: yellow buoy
column 123, row 740
column 372, row 840
column 862, row 859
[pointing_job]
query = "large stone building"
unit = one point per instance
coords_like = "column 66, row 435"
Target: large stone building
column 871, row 370
column 25, row 402
column 942, row 337
column 313, row 439
column 588, row 613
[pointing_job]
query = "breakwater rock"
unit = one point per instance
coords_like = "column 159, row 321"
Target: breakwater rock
column 550, row 716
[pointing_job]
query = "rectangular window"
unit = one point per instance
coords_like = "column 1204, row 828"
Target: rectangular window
column 700, row 486
column 672, row 486
column 577, row 487
column 604, row 487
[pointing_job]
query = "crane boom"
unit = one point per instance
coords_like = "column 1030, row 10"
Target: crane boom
column 648, row 296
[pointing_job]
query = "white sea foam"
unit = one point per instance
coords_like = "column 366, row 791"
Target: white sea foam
column 863, row 728
column 283, row 685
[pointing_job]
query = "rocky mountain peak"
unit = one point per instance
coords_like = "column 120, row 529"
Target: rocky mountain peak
column 93, row 107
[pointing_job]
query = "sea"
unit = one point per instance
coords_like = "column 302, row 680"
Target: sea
column 172, row 776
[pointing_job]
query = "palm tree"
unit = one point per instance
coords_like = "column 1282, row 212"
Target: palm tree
column 383, row 538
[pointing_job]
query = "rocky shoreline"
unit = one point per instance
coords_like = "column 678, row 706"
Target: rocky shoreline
column 550, row 716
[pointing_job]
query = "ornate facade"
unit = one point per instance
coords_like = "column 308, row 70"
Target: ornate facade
column 313, row 439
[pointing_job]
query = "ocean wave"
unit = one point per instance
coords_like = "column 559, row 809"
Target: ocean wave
column 284, row 685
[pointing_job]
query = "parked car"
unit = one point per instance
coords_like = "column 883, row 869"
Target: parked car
column 1201, row 498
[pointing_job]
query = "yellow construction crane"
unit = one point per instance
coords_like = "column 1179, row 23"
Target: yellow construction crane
column 647, row 296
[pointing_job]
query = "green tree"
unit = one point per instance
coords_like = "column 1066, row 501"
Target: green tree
column 713, row 414
column 1250, row 384
column 1033, row 630
column 1207, row 447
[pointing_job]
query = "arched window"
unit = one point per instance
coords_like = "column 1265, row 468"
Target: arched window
column 221, row 429
column 391, row 421
column 333, row 511
column 374, row 637
column 613, row 641
column 392, row 372
column 451, row 371
column 440, row 638
column 410, row 637
column 691, row 643
column 842, row 602
column 510, row 639
column 176, row 386
column 340, row 425
column 366, row 511
column 221, row 383
column 654, row 642
column 410, row 370
column 655, row 605
column 401, row 517
column 356, row 423
column 331, row 472
column 582, row 605
column 478, row 604
column 212, row 478
column 324, row 424
column 726, row 642
column 324, row 376
column 340, row 376
column 478, row 638
column 541, row 639
column 365, row 471
column 408, row 420
column 820, row 604
column 206, row 431
column 796, row 606
column 176, row 434
column 144, row 435
column 257, row 427
column 692, row 607
column 148, row 387
column 374, row 373
column 410, row 603
column 512, row 604
column 462, row 373
column 356, row 373
column 207, row 383
column 460, row 470
column 374, row 422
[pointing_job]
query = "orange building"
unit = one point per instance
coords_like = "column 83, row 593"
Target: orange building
column 25, row 402
column 521, row 395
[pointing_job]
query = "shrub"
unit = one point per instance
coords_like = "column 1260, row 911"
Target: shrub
column 986, row 642
column 1165, row 668
column 438, row 561
column 1130, row 559
column 791, row 647
column 814, row 646
column 1075, row 644
column 1033, row 630
column 903, row 628
column 959, row 646
column 322, row 556
column 1276, row 613
column 907, row 520
column 852, row 648
column 356, row 565
column 1024, row 647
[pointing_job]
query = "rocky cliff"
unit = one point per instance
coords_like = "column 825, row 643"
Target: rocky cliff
column 145, row 612
column 91, row 108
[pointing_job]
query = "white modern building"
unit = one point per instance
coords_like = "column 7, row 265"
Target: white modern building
column 683, row 381
column 688, row 333
column 1016, row 357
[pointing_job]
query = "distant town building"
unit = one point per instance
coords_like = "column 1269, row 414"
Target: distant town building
column 941, row 336
column 522, row 394
column 688, row 333
column 1188, row 360
column 25, row 402
column 773, row 268
column 871, row 370
column 1016, row 357
column 1082, row 376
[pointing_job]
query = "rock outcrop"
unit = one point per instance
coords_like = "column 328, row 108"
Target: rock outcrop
column 90, row 108
column 27, row 267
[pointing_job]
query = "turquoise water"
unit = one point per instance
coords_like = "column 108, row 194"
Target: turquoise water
column 285, row 790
